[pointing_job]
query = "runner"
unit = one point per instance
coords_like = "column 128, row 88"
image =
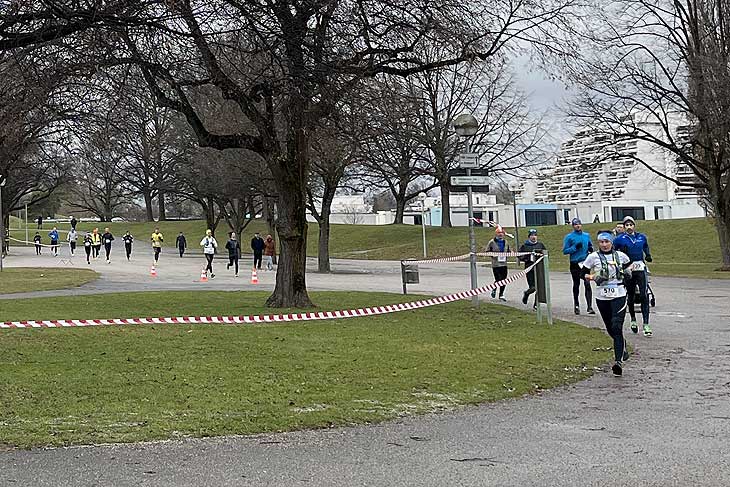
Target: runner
column 72, row 237
column 37, row 239
column 531, row 245
column 157, row 240
column 618, row 230
column 95, row 243
column 181, row 244
column 53, row 234
column 88, row 243
column 609, row 269
column 209, row 246
column 636, row 245
column 499, row 264
column 127, row 238
column 578, row 245
column 74, row 222
column 107, row 238
column 234, row 252
column 257, row 245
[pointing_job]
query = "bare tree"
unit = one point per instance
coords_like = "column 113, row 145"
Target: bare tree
column 663, row 77
column 509, row 138
column 283, row 65
column 392, row 152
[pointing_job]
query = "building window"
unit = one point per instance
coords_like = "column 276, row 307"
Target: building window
column 621, row 212
column 536, row 218
column 478, row 222
column 659, row 213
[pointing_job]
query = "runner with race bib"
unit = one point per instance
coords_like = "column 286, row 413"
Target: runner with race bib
column 635, row 245
column 499, row 263
column 609, row 269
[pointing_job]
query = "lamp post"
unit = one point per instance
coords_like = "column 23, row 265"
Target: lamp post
column 465, row 125
column 422, row 199
column 2, row 224
column 514, row 187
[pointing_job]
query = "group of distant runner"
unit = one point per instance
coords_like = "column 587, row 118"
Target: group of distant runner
column 617, row 267
column 264, row 249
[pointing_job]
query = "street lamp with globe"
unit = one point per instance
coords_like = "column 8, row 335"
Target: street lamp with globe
column 466, row 126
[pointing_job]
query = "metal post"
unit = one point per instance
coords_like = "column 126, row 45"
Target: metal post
column 517, row 224
column 548, row 298
column 472, row 238
column 2, row 227
column 423, row 226
column 26, row 224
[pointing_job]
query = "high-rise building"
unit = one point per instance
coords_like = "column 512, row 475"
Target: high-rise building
column 604, row 176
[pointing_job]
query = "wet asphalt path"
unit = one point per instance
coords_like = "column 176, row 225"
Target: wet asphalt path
column 666, row 422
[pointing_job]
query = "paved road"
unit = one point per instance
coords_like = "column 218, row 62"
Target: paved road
column 666, row 422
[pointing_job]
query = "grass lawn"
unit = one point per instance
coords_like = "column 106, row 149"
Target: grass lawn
column 395, row 242
column 24, row 279
column 132, row 383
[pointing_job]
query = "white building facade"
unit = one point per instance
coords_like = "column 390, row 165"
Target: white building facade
column 599, row 175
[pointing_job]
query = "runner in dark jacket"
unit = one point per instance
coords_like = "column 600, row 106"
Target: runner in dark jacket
column 234, row 252
column 531, row 245
column 107, row 238
column 181, row 243
column 128, row 239
column 635, row 245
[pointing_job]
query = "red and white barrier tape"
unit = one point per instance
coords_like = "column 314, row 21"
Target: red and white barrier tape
column 318, row 315
column 33, row 243
column 466, row 256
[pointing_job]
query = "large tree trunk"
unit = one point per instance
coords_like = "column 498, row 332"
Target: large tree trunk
column 400, row 209
column 445, row 205
column 148, row 206
column 323, row 251
column 722, row 223
column 291, row 283
column 161, row 206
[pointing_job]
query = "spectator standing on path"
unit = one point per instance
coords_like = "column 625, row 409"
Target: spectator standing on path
column 72, row 237
column 535, row 247
column 39, row 220
column 635, row 245
column 234, row 252
column 257, row 245
column 609, row 269
column 88, row 244
column 269, row 252
column 107, row 238
column 95, row 243
column 37, row 240
column 577, row 244
column 157, row 240
column 209, row 246
column 53, row 235
column 499, row 263
column 73, row 223
column 181, row 243
column 127, row 238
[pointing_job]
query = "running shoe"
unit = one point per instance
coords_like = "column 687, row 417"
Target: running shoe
column 591, row 311
column 647, row 330
column 494, row 293
column 212, row 275
column 617, row 370
column 525, row 297
column 576, row 310
column 625, row 355
column 634, row 326
column 502, row 298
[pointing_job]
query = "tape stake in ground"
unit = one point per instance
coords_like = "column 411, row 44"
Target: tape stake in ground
column 307, row 316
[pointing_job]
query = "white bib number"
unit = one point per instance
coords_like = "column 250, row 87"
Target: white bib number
column 638, row 266
column 501, row 258
column 609, row 291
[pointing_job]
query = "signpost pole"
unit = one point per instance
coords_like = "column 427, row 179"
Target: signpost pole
column 472, row 240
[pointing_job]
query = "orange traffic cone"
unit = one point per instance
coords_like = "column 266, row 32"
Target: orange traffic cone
column 254, row 276
column 203, row 276
column 153, row 271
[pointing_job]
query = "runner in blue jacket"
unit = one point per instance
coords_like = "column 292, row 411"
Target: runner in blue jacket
column 577, row 244
column 636, row 246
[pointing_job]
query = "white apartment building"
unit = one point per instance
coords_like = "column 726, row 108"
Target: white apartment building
column 599, row 175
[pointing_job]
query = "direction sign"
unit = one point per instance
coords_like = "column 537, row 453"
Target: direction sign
column 469, row 180
column 469, row 160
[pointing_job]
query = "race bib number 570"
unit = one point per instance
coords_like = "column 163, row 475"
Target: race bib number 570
column 608, row 291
